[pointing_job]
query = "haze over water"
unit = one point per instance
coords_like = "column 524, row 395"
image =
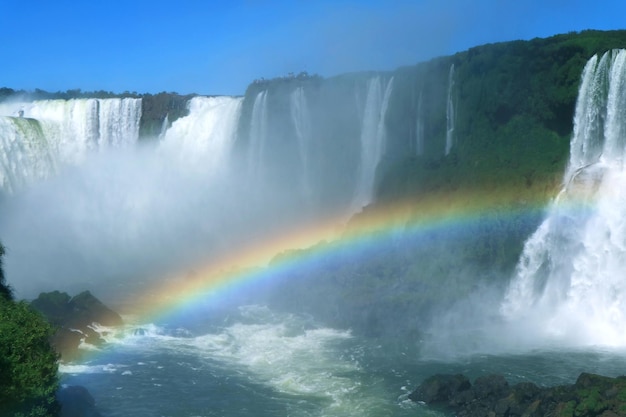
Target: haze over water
column 85, row 206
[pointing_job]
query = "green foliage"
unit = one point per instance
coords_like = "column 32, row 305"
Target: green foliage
column 591, row 403
column 566, row 409
column 28, row 369
column 591, row 396
column 514, row 105
column 28, row 365
column 6, row 92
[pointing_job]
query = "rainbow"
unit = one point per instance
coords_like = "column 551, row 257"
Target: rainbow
column 300, row 249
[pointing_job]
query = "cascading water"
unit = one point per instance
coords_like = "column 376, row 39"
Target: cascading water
column 164, row 126
column 118, row 122
column 450, row 112
column 570, row 282
column 302, row 123
column 373, row 137
column 205, row 137
column 419, row 127
column 24, row 153
column 51, row 133
column 147, row 207
column 258, row 136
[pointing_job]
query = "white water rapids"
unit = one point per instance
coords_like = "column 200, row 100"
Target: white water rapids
column 571, row 279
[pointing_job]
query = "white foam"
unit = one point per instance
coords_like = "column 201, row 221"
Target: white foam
column 74, row 369
column 569, row 285
column 36, row 138
column 204, row 137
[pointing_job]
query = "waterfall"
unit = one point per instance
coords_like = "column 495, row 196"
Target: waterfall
column 119, row 122
column 450, row 112
column 302, row 123
column 258, row 136
column 164, row 126
column 24, row 153
column 419, row 127
column 373, row 136
column 569, row 283
column 204, row 138
column 50, row 133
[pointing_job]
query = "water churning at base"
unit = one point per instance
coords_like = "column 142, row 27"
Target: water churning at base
column 570, row 281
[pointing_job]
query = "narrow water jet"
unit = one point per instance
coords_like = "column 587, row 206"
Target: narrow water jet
column 450, row 117
column 373, row 138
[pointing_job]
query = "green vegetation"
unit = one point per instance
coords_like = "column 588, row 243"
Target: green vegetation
column 28, row 365
column 514, row 105
column 592, row 395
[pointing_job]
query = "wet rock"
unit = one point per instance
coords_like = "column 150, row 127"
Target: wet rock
column 490, row 387
column 76, row 401
column 440, row 388
column 591, row 396
column 74, row 318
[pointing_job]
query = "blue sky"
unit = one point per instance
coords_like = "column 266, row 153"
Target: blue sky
column 218, row 47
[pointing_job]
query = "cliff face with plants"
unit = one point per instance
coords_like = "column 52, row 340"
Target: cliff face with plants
column 512, row 110
column 489, row 126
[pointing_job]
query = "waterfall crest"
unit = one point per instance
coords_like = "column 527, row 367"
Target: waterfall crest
column 258, row 136
column 24, row 153
column 205, row 137
column 51, row 133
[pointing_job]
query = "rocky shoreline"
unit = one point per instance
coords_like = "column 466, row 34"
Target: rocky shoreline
column 492, row 396
column 74, row 319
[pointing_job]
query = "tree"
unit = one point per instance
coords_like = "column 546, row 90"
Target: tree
column 28, row 364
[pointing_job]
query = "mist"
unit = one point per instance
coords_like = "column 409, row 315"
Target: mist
column 117, row 216
column 128, row 217
column 238, row 172
column 120, row 219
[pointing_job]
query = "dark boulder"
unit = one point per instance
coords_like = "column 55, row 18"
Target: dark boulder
column 591, row 396
column 82, row 310
column 86, row 309
column 75, row 319
column 53, row 305
column 521, row 400
column 490, row 387
column 440, row 388
column 76, row 401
